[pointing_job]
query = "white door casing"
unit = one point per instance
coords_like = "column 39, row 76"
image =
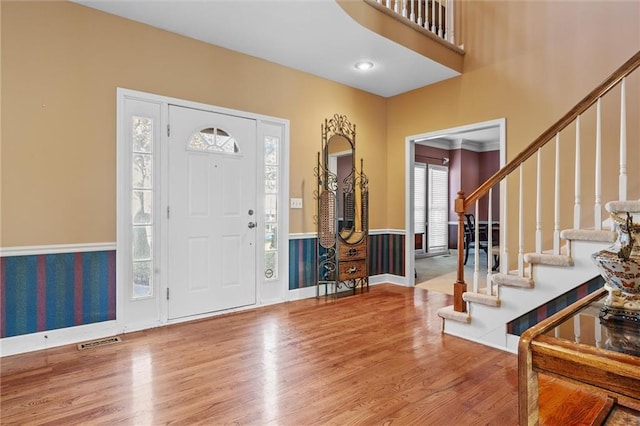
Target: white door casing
column 138, row 313
column 212, row 214
column 410, row 142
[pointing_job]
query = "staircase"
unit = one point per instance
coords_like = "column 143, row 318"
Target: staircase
column 529, row 279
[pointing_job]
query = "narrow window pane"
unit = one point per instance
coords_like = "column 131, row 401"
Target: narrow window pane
column 141, row 203
column 142, row 279
column 271, row 148
column 142, row 171
column 271, row 236
column 271, row 265
column 142, row 134
column 270, row 179
column 270, row 208
column 142, row 248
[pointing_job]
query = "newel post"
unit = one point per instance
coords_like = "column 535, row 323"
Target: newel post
column 459, row 287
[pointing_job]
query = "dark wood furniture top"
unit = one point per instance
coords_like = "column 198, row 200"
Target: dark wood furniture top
column 606, row 367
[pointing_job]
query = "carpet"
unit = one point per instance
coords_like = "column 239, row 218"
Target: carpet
column 438, row 273
column 441, row 284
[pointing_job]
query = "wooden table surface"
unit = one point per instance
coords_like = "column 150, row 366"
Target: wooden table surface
column 617, row 374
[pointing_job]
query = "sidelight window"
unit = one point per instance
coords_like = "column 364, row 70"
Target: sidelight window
column 142, row 206
column 272, row 170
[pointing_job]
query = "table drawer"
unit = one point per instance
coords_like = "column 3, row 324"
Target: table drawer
column 352, row 252
column 352, row 269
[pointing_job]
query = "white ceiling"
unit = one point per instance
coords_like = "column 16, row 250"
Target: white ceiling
column 314, row 36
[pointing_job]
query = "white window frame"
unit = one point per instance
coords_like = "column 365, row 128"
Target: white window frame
column 420, row 206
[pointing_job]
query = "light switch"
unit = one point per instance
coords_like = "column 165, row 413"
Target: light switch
column 296, row 203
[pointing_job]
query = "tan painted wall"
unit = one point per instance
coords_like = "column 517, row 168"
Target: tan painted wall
column 528, row 61
column 61, row 64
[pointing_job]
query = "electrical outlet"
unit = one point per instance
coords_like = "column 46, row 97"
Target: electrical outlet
column 296, row 203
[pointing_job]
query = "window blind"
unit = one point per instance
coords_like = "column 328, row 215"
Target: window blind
column 438, row 208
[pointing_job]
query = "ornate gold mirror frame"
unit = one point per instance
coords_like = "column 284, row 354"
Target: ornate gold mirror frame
column 343, row 203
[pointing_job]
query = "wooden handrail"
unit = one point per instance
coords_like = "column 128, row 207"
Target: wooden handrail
column 602, row 89
column 462, row 202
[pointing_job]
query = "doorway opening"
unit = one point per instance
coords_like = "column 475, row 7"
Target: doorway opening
column 470, row 154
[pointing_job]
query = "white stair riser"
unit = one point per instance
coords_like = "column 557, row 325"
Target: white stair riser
column 488, row 324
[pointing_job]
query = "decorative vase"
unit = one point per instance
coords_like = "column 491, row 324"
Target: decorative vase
column 619, row 264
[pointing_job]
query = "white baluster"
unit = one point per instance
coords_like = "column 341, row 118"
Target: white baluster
column 404, row 8
column 451, row 21
column 412, row 16
column 556, row 207
column 578, row 170
column 539, row 203
column 576, row 328
column 476, row 249
column 490, row 243
column 622, row 181
column 597, row 208
column 504, row 252
column 433, row 16
column 396, row 6
column 419, row 22
column 388, row 4
column 440, row 29
column 520, row 226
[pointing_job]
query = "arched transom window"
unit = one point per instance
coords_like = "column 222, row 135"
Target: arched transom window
column 213, row 140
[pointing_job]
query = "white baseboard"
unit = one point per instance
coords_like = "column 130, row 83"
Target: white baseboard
column 388, row 279
column 482, row 342
column 53, row 338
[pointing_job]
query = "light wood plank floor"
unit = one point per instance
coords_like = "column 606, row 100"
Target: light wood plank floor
column 373, row 358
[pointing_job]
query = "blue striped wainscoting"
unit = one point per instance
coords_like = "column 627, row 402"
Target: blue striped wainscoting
column 51, row 291
column 386, row 256
column 528, row 320
column 302, row 262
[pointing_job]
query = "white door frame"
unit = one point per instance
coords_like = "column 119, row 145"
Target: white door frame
column 267, row 292
column 410, row 145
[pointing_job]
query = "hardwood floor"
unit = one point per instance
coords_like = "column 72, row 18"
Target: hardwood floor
column 373, row 358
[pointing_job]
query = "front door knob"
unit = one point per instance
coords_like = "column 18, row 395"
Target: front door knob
column 252, row 225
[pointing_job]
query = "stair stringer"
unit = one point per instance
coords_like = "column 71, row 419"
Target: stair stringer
column 488, row 325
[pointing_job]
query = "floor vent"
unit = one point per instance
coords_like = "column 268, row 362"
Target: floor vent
column 101, row 342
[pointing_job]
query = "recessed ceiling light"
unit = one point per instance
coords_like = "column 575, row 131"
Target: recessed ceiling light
column 364, row 65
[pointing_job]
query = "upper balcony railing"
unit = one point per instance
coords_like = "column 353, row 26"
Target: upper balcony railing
column 434, row 16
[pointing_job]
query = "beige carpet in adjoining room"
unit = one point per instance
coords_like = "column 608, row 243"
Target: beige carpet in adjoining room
column 438, row 273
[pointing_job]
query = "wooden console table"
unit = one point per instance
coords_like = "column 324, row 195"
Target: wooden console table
column 574, row 345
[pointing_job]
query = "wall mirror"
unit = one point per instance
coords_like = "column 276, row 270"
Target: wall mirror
column 341, row 162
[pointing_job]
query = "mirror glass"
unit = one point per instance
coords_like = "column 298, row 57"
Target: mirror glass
column 341, row 163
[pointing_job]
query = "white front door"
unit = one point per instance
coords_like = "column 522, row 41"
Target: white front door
column 212, row 212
